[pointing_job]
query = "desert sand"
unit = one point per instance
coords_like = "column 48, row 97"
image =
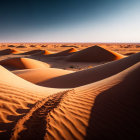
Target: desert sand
column 73, row 91
column 23, row 63
column 94, row 54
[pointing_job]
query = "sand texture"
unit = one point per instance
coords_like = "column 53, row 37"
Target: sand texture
column 93, row 93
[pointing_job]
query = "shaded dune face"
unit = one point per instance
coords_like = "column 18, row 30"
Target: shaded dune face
column 32, row 52
column 42, row 52
column 94, row 54
column 97, row 73
column 105, row 109
column 64, row 53
column 23, row 63
column 8, row 51
column 21, row 47
column 115, row 113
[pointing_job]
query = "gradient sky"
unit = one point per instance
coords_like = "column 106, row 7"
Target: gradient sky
column 70, row 21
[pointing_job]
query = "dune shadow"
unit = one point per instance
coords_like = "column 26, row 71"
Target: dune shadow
column 7, row 128
column 116, row 112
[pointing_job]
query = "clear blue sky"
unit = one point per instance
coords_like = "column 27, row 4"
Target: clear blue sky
column 70, row 21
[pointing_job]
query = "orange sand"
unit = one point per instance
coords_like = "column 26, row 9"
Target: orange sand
column 94, row 54
column 9, row 51
column 98, row 103
column 94, row 74
column 23, row 63
column 64, row 53
column 41, row 74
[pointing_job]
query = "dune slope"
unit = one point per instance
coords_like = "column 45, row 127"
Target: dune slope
column 32, row 52
column 94, row 54
column 64, row 53
column 40, row 74
column 23, row 63
column 92, row 75
column 107, row 109
column 17, row 96
column 9, row 51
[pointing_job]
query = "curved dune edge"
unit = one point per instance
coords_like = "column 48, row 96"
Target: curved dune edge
column 9, row 51
column 94, row 54
column 17, row 96
column 32, row 52
column 42, row 52
column 21, row 46
column 41, row 74
column 97, row 73
column 88, row 111
column 46, row 52
column 23, row 63
column 64, row 53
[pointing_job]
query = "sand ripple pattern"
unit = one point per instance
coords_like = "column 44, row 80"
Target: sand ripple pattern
column 70, row 120
column 28, row 126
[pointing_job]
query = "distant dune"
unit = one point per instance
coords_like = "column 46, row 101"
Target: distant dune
column 100, row 72
column 21, row 46
column 42, row 52
column 94, row 54
column 46, row 52
column 64, row 53
column 23, row 63
column 9, row 51
column 32, row 52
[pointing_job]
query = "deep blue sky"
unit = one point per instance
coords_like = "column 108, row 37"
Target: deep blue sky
column 69, row 20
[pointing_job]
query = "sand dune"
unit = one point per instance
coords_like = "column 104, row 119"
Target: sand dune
column 108, row 109
column 104, row 109
column 16, row 98
column 21, row 46
column 9, row 51
column 41, row 74
column 97, row 103
column 42, row 52
column 92, row 75
column 11, row 46
column 46, row 52
column 64, row 53
column 32, row 52
column 23, row 63
column 94, row 54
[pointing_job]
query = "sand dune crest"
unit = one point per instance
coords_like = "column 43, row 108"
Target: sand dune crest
column 94, row 54
column 64, row 53
column 9, row 51
column 105, row 109
column 23, row 63
column 16, row 98
column 92, row 75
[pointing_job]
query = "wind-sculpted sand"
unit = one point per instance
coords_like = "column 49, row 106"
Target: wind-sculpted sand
column 64, row 53
column 94, row 54
column 37, row 102
column 94, row 74
column 23, row 63
column 9, row 51
column 41, row 74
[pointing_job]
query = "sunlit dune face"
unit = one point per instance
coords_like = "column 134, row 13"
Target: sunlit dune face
column 46, row 52
column 72, row 50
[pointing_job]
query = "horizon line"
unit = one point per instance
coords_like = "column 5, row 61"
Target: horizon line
column 70, row 42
